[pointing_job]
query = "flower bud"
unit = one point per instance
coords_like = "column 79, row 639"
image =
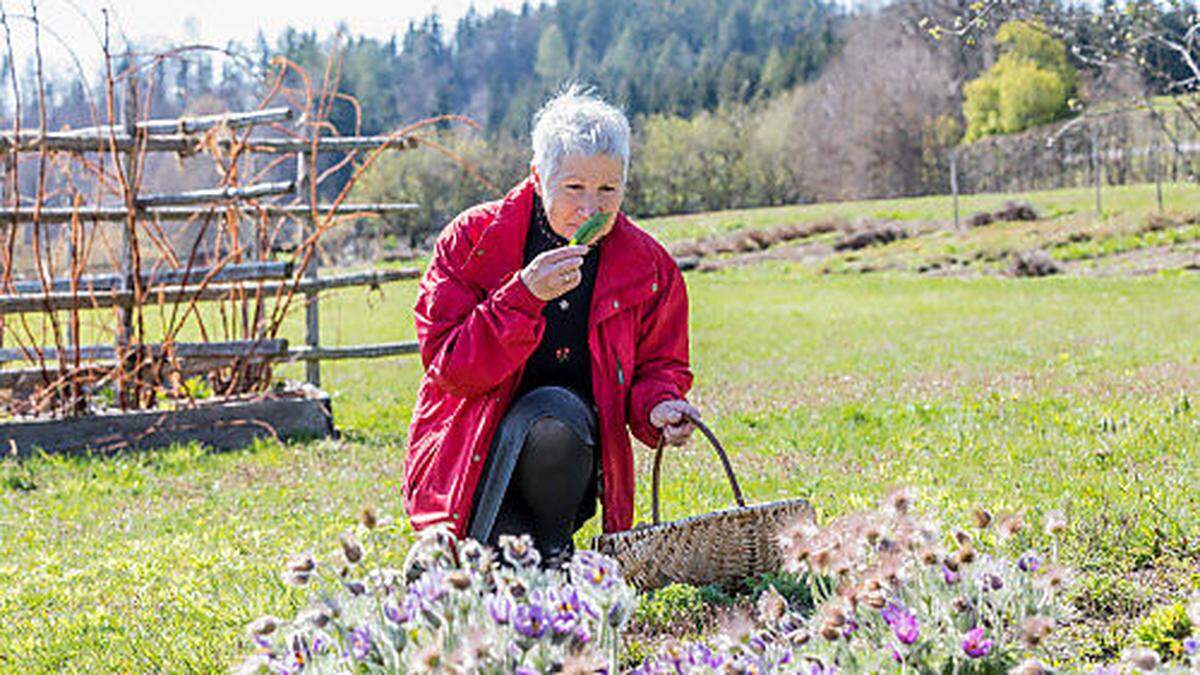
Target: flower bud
column 965, row 555
column 1055, row 523
column 368, row 517
column 351, row 548
column 263, row 625
column 962, row 538
column 1143, row 659
column 1035, row 629
column 981, row 517
column 301, row 562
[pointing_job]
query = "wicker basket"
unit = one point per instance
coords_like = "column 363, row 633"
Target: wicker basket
column 719, row 547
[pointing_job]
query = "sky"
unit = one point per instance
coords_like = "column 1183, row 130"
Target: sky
column 213, row 21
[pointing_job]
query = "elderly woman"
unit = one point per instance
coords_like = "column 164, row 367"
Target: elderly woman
column 541, row 356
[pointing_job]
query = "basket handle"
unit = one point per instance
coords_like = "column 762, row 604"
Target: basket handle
column 658, row 453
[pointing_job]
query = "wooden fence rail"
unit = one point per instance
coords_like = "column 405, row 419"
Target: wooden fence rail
column 188, row 144
column 118, row 214
column 275, row 348
column 255, row 271
column 51, row 302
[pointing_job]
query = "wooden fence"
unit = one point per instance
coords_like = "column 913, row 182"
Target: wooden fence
column 1114, row 148
column 125, row 288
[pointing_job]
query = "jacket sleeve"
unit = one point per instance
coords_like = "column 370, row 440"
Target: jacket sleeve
column 661, row 367
column 470, row 340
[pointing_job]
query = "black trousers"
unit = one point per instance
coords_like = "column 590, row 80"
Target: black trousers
column 541, row 473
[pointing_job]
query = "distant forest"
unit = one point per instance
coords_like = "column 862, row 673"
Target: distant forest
column 648, row 56
column 734, row 103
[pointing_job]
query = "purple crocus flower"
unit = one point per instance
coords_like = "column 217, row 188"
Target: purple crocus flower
column 974, row 644
column 530, row 621
column 264, row 644
column 581, row 635
column 500, row 608
column 427, row 590
column 902, row 622
column 561, row 624
column 393, row 612
column 519, row 551
column 819, row 669
column 526, row 670
column 593, row 569
column 564, row 605
column 850, row 628
column 1029, row 562
column 949, row 575
column 1191, row 645
column 360, row 643
column 703, row 655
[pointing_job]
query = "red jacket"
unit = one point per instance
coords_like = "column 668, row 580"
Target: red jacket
column 478, row 324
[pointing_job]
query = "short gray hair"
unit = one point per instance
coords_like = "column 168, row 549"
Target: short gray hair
column 577, row 122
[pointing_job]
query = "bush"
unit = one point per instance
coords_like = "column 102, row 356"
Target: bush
column 670, row 607
column 1164, row 630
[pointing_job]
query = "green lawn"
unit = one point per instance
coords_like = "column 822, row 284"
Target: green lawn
column 1071, row 393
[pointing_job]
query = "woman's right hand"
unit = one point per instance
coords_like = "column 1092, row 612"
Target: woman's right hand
column 554, row 272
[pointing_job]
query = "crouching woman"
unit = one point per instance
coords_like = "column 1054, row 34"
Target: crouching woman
column 541, row 356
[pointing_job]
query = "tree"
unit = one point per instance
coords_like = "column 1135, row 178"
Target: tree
column 553, row 64
column 1030, row 84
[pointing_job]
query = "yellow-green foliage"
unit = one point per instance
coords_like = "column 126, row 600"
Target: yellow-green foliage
column 1030, row 84
column 1164, row 630
column 672, row 605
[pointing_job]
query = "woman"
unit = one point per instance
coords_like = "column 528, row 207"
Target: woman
column 541, row 356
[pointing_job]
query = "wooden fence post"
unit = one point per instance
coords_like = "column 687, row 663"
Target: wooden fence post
column 1096, row 169
column 9, row 195
column 125, row 311
column 312, row 311
column 1156, row 167
column 954, row 183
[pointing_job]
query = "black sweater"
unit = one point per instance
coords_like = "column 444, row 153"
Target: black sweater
column 563, row 357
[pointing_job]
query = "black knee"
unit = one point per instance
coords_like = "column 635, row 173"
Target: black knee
column 553, row 444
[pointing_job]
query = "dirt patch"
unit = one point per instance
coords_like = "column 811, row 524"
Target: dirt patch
column 751, row 241
column 1010, row 212
column 1140, row 262
column 1035, row 263
column 865, row 234
column 1157, row 222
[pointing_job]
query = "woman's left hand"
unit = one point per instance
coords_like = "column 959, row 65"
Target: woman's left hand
column 673, row 417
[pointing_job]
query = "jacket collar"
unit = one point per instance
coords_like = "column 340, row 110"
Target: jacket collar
column 624, row 275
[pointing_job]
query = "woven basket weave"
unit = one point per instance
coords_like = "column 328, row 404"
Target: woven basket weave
column 719, row 547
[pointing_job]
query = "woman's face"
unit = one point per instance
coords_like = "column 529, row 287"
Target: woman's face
column 581, row 187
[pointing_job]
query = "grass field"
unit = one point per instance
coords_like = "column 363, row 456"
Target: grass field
column 1070, row 393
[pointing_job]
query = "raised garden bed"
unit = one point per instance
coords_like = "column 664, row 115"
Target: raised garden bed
column 221, row 424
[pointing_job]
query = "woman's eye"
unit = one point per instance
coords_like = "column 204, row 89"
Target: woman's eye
column 608, row 188
column 574, row 186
